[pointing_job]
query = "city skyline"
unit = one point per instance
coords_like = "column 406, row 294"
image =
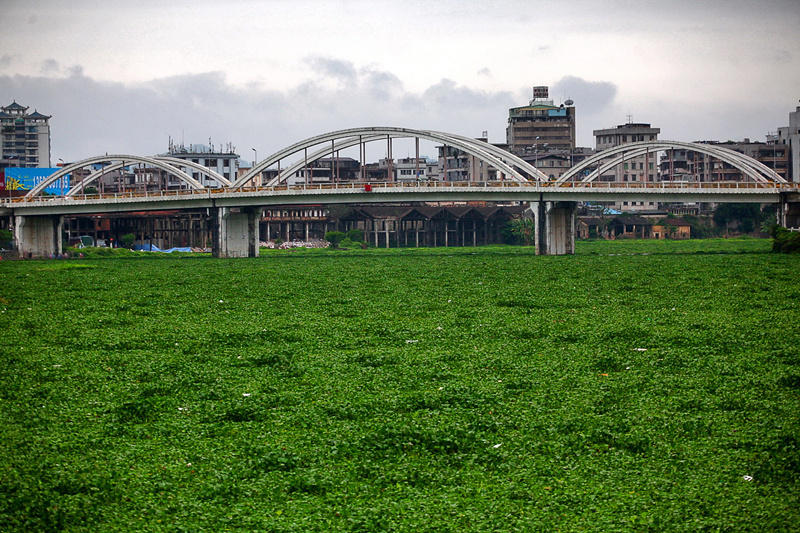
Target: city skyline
column 122, row 77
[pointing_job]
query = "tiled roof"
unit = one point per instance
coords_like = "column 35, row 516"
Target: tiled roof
column 36, row 114
column 15, row 106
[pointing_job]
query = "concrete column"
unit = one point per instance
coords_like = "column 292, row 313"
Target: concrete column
column 783, row 208
column 554, row 227
column 236, row 232
column 38, row 235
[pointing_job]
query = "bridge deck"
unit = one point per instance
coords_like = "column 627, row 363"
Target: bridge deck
column 403, row 192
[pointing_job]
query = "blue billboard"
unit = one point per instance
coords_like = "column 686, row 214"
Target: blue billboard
column 25, row 179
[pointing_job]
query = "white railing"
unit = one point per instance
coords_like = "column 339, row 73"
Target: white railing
column 366, row 187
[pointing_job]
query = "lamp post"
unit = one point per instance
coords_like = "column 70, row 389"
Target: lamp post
column 255, row 158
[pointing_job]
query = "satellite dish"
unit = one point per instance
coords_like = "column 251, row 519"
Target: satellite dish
column 569, row 101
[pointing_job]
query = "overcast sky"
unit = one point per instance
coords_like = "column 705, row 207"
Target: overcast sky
column 122, row 77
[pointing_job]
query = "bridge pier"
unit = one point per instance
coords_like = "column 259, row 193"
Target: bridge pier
column 236, row 232
column 38, row 235
column 554, row 227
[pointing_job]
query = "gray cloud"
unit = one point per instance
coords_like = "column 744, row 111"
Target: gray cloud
column 337, row 69
column 782, row 56
column 6, row 60
column 485, row 72
column 50, row 66
column 591, row 97
column 92, row 117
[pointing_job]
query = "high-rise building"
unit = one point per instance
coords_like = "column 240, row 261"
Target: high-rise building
column 24, row 137
column 541, row 126
column 637, row 169
column 643, row 168
column 790, row 137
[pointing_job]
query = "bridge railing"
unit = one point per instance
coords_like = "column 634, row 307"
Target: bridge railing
column 378, row 186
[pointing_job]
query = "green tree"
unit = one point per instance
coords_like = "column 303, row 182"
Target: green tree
column 335, row 237
column 356, row 235
column 523, row 230
column 126, row 241
column 6, row 238
column 746, row 216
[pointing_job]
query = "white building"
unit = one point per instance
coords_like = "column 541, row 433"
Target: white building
column 790, row 136
column 410, row 169
column 224, row 161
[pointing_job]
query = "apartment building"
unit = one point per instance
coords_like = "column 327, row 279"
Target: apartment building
column 789, row 136
column 638, row 169
column 24, row 137
column 541, row 125
column 223, row 160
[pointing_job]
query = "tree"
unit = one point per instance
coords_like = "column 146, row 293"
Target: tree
column 127, row 240
column 356, row 235
column 335, row 237
column 746, row 216
column 523, row 230
column 6, row 238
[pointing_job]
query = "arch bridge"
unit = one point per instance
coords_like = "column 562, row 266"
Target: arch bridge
column 553, row 201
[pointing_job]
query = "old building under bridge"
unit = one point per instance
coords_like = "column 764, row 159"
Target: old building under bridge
column 382, row 225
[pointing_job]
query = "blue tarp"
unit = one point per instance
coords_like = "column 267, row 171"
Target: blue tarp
column 154, row 248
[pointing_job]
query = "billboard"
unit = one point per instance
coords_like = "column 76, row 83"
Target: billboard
column 540, row 91
column 25, row 179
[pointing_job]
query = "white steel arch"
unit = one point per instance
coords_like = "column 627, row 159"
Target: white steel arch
column 353, row 141
column 171, row 160
column 193, row 183
column 322, row 152
column 600, row 170
column 747, row 165
column 94, row 176
column 213, row 174
column 505, row 155
column 472, row 147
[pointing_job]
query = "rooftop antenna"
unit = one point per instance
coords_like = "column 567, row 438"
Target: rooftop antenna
column 630, row 117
